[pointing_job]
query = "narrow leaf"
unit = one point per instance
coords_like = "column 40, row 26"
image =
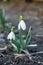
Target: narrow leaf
column 16, row 43
column 28, row 38
column 21, row 39
column 14, row 46
column 2, row 19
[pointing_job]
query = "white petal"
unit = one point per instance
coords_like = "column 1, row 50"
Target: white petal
column 22, row 25
column 11, row 35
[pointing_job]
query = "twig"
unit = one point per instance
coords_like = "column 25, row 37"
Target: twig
column 30, row 57
column 19, row 55
column 3, row 48
column 37, row 52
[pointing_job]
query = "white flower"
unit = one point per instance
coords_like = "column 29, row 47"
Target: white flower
column 22, row 25
column 11, row 36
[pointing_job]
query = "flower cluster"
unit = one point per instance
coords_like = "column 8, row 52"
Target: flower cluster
column 21, row 25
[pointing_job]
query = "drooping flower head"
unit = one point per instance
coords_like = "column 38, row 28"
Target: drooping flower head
column 11, row 35
column 21, row 24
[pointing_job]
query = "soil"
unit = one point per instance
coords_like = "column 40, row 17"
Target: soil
column 8, row 58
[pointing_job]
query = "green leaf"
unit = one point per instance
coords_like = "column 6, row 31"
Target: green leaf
column 28, row 38
column 16, row 43
column 15, row 47
column 21, row 39
column 2, row 20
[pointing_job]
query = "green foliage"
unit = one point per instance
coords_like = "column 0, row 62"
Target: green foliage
column 2, row 20
column 19, row 43
column 28, row 38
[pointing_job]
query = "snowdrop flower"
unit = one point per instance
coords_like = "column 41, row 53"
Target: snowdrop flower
column 11, row 35
column 21, row 24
